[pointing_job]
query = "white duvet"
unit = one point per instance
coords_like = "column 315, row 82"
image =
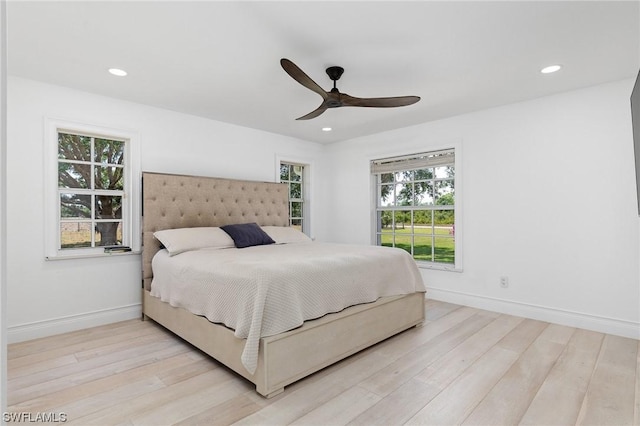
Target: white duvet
column 265, row 290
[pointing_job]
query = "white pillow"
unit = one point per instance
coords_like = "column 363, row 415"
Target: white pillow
column 285, row 234
column 184, row 239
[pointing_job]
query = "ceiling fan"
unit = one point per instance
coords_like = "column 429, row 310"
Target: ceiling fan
column 335, row 99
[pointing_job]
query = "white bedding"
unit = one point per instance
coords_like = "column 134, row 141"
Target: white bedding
column 265, row 290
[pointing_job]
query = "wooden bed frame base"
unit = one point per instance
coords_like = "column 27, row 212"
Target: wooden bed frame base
column 288, row 357
column 175, row 201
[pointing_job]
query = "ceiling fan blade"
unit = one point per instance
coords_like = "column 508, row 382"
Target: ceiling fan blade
column 378, row 102
column 298, row 75
column 313, row 114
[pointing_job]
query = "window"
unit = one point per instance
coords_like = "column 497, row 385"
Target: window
column 415, row 205
column 93, row 204
column 293, row 175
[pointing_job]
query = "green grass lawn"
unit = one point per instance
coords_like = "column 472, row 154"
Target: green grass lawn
column 444, row 251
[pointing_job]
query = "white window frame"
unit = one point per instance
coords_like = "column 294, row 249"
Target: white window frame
column 457, row 147
column 306, row 187
column 131, row 197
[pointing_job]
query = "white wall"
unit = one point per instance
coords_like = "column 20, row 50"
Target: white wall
column 548, row 200
column 48, row 297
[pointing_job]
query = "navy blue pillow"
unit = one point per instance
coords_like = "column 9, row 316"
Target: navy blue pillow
column 247, row 235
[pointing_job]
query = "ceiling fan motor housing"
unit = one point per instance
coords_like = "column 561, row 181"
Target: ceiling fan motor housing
column 335, row 73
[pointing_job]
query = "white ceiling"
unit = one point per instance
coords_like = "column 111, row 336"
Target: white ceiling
column 221, row 59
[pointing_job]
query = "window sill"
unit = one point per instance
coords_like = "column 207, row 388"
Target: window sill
column 90, row 255
column 438, row 267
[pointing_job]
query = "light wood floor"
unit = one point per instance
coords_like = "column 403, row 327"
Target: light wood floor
column 464, row 366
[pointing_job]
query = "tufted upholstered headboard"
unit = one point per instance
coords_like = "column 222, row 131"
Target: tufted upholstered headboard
column 178, row 201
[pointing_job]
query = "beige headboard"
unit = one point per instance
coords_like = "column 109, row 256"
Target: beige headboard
column 178, row 201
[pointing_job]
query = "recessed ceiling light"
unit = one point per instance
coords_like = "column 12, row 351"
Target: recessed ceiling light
column 550, row 69
column 326, row 129
column 118, row 72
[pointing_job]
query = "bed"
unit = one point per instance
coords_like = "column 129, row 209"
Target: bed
column 280, row 358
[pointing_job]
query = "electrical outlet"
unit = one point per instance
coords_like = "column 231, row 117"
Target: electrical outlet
column 504, row 282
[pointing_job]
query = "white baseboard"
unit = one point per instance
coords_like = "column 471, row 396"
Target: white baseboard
column 34, row 330
column 557, row 316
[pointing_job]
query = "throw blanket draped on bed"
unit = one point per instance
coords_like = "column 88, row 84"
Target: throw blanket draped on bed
column 265, row 290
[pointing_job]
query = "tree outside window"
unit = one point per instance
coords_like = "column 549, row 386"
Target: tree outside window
column 91, row 183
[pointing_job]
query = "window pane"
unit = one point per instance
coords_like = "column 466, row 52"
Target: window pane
column 108, row 207
column 108, row 151
column 422, row 247
column 74, row 175
column 424, row 194
column 386, row 196
column 74, row 147
column 405, row 176
column 386, row 240
column 402, row 220
column 295, row 190
column 444, row 172
column 297, row 224
column 403, row 242
column 386, row 178
column 447, row 199
column 75, row 234
column 422, row 222
column 296, row 173
column 108, row 233
column 423, row 174
column 107, row 177
column 444, row 219
column 404, row 194
column 385, row 221
column 444, row 250
column 296, row 209
column 399, row 195
column 284, row 172
column 75, row 206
